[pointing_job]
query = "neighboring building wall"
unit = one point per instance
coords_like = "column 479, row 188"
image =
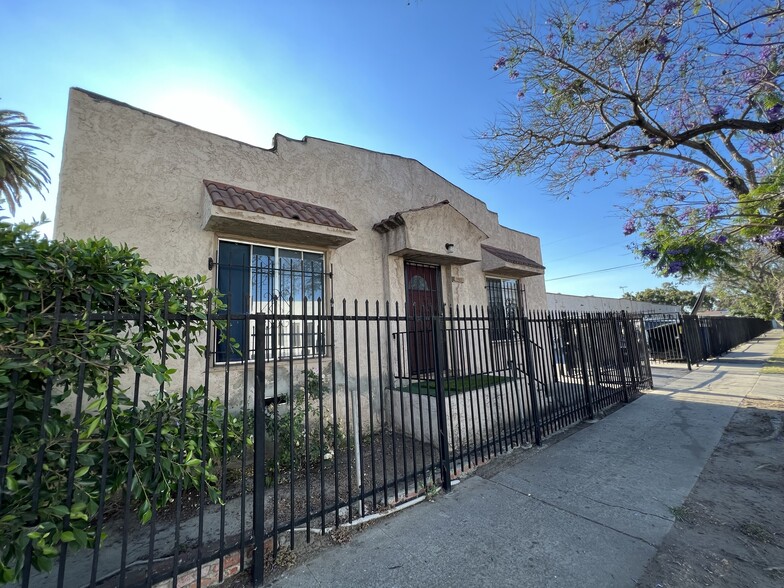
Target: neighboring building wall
column 569, row 303
column 137, row 178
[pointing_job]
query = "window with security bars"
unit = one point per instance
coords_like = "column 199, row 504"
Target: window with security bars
column 503, row 299
column 288, row 285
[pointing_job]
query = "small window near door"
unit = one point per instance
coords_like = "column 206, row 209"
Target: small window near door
column 503, row 299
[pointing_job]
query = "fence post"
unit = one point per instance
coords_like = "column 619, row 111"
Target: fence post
column 259, row 434
column 443, row 435
column 621, row 363
column 594, row 344
column 630, row 335
column 532, row 381
column 683, row 341
column 584, row 369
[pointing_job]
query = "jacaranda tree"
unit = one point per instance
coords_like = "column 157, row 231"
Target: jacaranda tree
column 683, row 98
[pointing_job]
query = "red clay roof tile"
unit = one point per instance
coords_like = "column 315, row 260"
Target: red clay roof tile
column 512, row 257
column 242, row 199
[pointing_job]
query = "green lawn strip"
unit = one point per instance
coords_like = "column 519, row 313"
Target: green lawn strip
column 775, row 364
column 454, row 385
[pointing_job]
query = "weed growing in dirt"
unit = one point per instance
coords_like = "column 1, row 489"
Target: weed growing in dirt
column 756, row 532
column 681, row 513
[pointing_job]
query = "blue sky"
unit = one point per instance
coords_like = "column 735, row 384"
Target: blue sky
column 413, row 78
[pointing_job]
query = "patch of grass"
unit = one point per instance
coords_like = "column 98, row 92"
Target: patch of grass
column 775, row 364
column 455, row 385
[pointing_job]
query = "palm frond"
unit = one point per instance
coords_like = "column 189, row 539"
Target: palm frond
column 21, row 170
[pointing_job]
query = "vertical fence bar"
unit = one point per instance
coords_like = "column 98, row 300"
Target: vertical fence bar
column 39, row 462
column 307, row 384
column 371, row 412
column 621, row 359
column 584, row 368
column 443, row 434
column 335, row 447
column 105, row 457
column 350, row 439
column 322, row 447
column 259, row 433
column 358, row 413
column 391, row 388
column 382, row 415
column 132, row 446
column 537, row 421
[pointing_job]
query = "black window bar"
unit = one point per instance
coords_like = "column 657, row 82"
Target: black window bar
column 290, row 286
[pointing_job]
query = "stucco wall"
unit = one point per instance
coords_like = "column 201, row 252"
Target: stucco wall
column 137, row 178
column 567, row 302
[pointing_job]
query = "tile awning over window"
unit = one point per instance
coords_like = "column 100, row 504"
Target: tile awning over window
column 509, row 263
column 242, row 199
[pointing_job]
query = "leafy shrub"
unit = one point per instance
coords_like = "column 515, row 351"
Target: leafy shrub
column 290, row 429
column 75, row 315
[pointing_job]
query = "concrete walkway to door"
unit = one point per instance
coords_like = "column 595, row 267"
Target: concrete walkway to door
column 589, row 509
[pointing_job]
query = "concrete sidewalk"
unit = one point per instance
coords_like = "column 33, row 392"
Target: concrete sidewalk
column 588, row 510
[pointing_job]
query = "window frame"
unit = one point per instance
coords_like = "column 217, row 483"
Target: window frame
column 498, row 327
column 318, row 347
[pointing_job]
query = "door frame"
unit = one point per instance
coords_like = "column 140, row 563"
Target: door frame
column 419, row 327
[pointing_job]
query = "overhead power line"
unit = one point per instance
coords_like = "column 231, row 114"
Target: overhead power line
column 607, row 269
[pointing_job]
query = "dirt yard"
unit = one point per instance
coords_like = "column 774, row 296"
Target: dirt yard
column 730, row 530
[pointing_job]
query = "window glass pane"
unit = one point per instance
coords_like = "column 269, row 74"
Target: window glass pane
column 262, row 278
column 314, row 279
column 290, row 263
column 233, row 284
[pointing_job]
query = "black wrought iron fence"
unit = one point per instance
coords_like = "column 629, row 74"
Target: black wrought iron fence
column 694, row 339
column 199, row 468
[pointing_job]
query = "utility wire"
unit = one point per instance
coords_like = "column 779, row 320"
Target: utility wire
column 607, row 269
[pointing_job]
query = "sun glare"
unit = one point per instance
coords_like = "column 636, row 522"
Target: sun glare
column 222, row 114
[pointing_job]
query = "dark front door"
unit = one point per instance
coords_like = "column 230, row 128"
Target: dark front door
column 423, row 302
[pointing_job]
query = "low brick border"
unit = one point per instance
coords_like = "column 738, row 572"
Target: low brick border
column 210, row 572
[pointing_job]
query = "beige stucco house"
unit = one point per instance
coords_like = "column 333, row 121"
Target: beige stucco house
column 305, row 220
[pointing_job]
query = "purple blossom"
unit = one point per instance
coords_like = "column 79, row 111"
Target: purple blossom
column 752, row 76
column 774, row 113
column 669, row 7
column 520, row 94
column 685, row 214
column 583, row 26
column 688, row 231
column 499, row 64
column 663, row 39
column 629, row 227
column 711, row 210
column 775, row 236
column 679, row 197
column 701, row 177
column 674, row 267
column 514, row 74
column 720, row 240
column 718, row 112
column 651, row 254
column 660, row 56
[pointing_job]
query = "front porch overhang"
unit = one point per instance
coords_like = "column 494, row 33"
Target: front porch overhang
column 437, row 234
